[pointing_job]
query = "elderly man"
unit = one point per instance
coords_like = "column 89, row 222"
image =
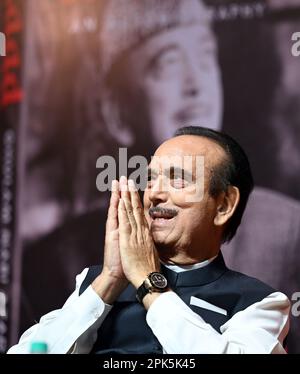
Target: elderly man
column 164, row 287
column 173, row 78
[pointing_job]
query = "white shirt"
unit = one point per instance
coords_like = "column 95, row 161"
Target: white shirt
column 182, row 268
column 260, row 328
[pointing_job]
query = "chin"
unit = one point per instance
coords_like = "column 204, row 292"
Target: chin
column 160, row 239
column 165, row 249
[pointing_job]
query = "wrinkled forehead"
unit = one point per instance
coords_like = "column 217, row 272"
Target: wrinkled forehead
column 200, row 36
column 186, row 152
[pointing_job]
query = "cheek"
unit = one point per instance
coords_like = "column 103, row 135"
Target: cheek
column 162, row 96
column 198, row 219
column 181, row 199
column 162, row 103
column 214, row 89
column 217, row 94
column 146, row 203
column 192, row 222
column 194, row 211
column 190, row 196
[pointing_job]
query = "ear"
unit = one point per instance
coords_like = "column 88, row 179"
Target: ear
column 227, row 204
column 118, row 130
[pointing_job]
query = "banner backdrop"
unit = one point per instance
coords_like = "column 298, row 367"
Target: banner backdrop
column 11, row 93
column 98, row 76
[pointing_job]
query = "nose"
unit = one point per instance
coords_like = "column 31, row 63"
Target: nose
column 191, row 84
column 158, row 192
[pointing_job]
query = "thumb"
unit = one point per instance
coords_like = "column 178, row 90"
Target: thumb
column 112, row 215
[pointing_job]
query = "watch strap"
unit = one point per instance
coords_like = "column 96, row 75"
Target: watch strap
column 141, row 292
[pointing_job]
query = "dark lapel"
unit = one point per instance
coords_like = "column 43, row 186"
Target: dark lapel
column 197, row 277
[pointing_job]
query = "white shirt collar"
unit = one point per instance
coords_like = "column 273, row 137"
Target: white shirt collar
column 181, row 268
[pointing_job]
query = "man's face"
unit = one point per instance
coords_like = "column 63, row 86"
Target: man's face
column 175, row 222
column 179, row 78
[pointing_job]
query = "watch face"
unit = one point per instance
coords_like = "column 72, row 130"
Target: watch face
column 158, row 280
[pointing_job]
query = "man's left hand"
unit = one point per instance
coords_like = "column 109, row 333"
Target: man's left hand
column 138, row 253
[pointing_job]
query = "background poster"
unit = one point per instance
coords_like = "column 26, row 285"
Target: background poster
column 11, row 94
column 102, row 75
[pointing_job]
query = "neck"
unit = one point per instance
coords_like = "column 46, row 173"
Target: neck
column 187, row 255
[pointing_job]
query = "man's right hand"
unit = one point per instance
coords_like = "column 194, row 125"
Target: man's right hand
column 112, row 281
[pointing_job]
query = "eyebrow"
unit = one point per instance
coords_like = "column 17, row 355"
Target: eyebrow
column 170, row 47
column 174, row 170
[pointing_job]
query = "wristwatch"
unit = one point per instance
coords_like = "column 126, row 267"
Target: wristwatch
column 155, row 282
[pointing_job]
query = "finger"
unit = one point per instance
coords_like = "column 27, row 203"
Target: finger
column 124, row 225
column 123, row 183
column 136, row 203
column 125, row 194
column 112, row 215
